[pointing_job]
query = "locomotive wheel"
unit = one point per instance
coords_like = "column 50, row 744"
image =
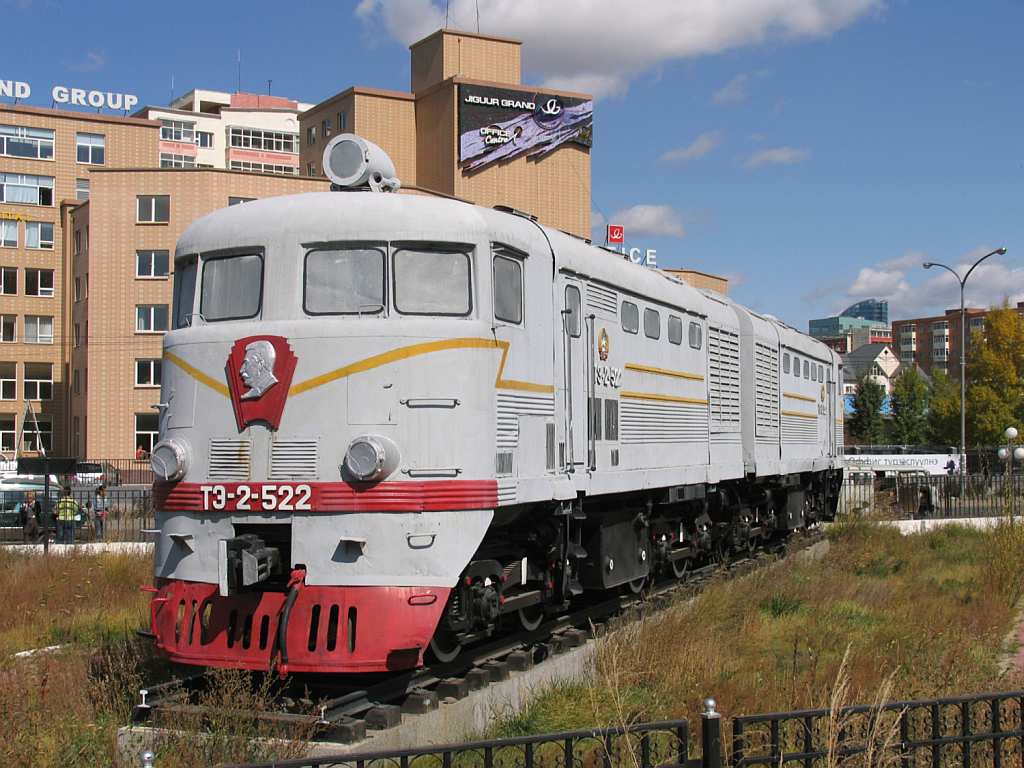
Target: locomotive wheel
column 444, row 645
column 680, row 567
column 636, row 586
column 531, row 617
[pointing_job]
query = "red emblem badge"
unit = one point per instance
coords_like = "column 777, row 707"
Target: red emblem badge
column 259, row 373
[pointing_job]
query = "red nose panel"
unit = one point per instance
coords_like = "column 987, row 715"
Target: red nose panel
column 329, row 629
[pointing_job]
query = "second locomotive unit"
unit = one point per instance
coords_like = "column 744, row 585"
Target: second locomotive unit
column 393, row 423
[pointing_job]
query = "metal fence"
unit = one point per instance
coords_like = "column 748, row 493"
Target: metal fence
column 904, row 496
column 960, row 732
column 117, row 472
column 981, row 730
column 645, row 745
column 129, row 515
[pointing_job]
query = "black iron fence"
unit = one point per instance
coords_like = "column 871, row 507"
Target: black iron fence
column 128, row 515
column 115, row 472
column 909, row 495
column 961, row 732
column 981, row 730
column 645, row 745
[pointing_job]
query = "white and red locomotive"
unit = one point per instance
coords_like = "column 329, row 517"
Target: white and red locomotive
column 396, row 422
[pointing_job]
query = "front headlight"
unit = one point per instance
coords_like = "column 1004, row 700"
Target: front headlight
column 169, row 460
column 370, row 457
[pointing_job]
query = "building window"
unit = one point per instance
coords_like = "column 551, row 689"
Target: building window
column 147, row 373
column 150, row 318
column 7, row 332
column 244, row 165
column 204, row 139
column 8, row 381
column 311, row 169
column 169, row 160
column 154, row 209
column 78, row 289
column 177, row 130
column 311, row 135
column 8, row 281
column 91, row 147
column 31, row 143
column 8, row 434
column 152, row 263
column 147, row 427
column 39, row 282
column 41, row 440
column 342, row 121
column 39, row 234
column 8, row 233
column 268, row 141
column 38, row 329
column 325, row 126
column 24, row 189
column 239, row 200
column 78, row 334
column 38, row 381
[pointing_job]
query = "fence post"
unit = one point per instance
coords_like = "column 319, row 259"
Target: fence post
column 147, row 759
column 710, row 736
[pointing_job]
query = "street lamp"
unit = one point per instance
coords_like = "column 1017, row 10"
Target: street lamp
column 963, row 348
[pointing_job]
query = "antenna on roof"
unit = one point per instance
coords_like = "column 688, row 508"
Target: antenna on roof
column 239, row 88
column 446, row 14
column 478, row 17
column 172, row 90
column 269, row 81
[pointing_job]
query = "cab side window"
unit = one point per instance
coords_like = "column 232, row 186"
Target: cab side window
column 508, row 289
column 675, row 330
column 785, row 362
column 630, row 315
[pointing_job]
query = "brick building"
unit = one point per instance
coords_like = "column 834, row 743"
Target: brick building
column 934, row 342
column 47, row 163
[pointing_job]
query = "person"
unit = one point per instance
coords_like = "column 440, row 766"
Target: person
column 950, row 467
column 68, row 514
column 140, row 454
column 926, row 503
column 31, row 514
column 100, row 507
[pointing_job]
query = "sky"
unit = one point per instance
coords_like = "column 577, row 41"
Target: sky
column 815, row 151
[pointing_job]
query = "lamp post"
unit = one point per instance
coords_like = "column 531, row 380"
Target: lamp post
column 1009, row 453
column 963, row 347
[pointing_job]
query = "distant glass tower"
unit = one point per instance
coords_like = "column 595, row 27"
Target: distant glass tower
column 869, row 309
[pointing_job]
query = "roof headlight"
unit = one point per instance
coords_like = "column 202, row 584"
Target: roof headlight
column 169, row 460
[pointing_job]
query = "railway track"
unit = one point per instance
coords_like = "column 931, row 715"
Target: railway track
column 328, row 710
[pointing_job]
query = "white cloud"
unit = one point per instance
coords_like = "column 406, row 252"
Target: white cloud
column 93, row 61
column 648, row 220
column 914, row 292
column 599, row 45
column 777, row 156
column 597, row 220
column 735, row 90
column 698, row 148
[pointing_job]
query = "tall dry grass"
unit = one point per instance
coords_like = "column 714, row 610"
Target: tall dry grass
column 65, row 708
column 903, row 617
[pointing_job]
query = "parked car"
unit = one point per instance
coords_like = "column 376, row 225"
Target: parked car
column 94, row 473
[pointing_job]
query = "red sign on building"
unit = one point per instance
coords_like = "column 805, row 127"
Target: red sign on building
column 616, row 234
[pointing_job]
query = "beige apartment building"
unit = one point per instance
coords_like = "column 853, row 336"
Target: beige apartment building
column 469, row 127
column 122, row 244
column 250, row 132
column 47, row 156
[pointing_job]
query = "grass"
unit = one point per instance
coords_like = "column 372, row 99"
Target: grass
column 882, row 614
column 65, row 708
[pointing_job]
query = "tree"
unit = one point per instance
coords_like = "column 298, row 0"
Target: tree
column 866, row 423
column 944, row 410
column 909, row 408
column 995, row 398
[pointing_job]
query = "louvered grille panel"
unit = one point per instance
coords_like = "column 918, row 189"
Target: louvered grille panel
column 511, row 406
column 766, row 379
column 294, row 459
column 723, row 379
column 649, row 422
column 603, row 300
column 798, row 429
column 230, row 459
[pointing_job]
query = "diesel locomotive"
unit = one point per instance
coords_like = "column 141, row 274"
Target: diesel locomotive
column 393, row 423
